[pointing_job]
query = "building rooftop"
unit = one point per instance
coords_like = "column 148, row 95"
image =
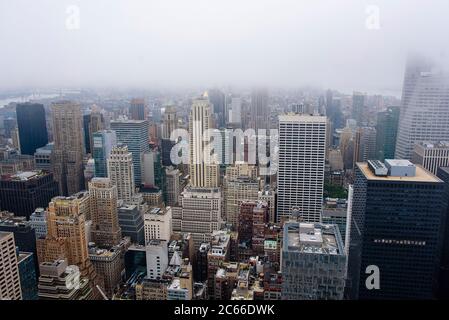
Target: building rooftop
column 438, row 144
column 24, row 175
column 312, row 238
column 421, row 175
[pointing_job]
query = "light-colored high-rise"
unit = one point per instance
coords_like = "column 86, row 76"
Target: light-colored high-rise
column 158, row 224
column 204, row 169
column 424, row 114
column 302, row 148
column 199, row 213
column 431, row 155
column 9, row 269
column 66, row 236
column 103, row 203
column 121, row 172
column 67, row 156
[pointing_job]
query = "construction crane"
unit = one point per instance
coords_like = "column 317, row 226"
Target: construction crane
column 102, row 293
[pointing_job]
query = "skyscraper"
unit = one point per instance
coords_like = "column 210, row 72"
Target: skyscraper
column 259, row 110
column 103, row 202
column 358, row 107
column 204, row 169
column 396, row 226
column 218, row 107
column 431, row 155
column 443, row 280
column 134, row 134
column 92, row 122
column 364, row 144
column 121, row 172
column 69, row 148
column 424, row 112
column 32, row 127
column 170, row 121
column 300, row 176
column 386, row 133
column 9, row 269
column 66, row 236
column 25, row 191
column 103, row 141
column 137, row 109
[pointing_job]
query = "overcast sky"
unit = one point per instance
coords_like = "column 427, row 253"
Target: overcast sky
column 325, row 43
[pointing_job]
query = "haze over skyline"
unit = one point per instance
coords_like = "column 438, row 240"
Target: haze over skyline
column 208, row 43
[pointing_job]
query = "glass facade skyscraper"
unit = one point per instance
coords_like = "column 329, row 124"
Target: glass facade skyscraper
column 32, row 127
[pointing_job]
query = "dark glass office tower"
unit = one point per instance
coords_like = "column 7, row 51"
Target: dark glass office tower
column 386, row 133
column 32, row 127
column 443, row 292
column 23, row 192
column 396, row 225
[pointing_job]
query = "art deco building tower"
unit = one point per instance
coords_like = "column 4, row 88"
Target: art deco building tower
column 68, row 149
column 121, row 172
column 204, row 170
column 103, row 201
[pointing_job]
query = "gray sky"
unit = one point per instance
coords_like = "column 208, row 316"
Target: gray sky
column 148, row 43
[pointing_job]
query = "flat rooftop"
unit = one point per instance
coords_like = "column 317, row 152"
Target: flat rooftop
column 311, row 238
column 421, row 175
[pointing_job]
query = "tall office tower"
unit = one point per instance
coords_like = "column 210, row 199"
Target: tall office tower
column 236, row 190
column 259, row 110
column 121, row 172
column 131, row 223
column 218, row 107
column 170, row 122
column 358, row 107
column 92, row 122
column 431, row 155
column 38, row 221
column 134, row 134
column 69, row 148
column 313, row 262
column 152, row 173
column 103, row 203
column 300, row 176
column 173, row 186
column 396, row 226
column 425, row 107
column 443, row 280
column 137, row 109
column 58, row 281
column 32, row 127
column 199, row 213
column 329, row 99
column 9, row 269
column 24, row 234
column 66, row 236
column 23, row 192
column 42, row 157
column 158, row 224
column 364, row 144
column 347, row 147
column 27, row 273
column 386, row 133
column 103, row 142
column 203, row 168
column 235, row 114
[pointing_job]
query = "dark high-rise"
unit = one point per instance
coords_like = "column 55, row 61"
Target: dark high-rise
column 396, row 226
column 32, row 127
column 137, row 109
column 386, row 132
column 443, row 292
column 218, row 100
column 23, row 192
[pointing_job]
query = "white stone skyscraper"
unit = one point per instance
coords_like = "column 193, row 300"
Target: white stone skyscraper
column 121, row 172
column 204, row 169
column 302, row 148
column 424, row 114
